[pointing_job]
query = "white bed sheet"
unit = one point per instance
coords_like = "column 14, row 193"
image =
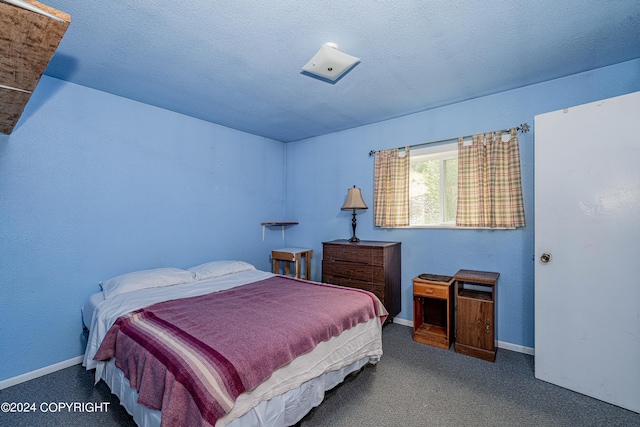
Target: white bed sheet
column 89, row 307
column 350, row 350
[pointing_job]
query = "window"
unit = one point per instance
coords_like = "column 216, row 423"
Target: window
column 468, row 184
column 433, row 186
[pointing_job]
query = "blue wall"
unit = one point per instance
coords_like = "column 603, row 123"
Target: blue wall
column 94, row 185
column 320, row 170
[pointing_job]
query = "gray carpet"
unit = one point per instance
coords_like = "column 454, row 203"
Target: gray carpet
column 413, row 385
column 420, row 385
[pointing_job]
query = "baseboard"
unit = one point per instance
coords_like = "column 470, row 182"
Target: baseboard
column 40, row 372
column 515, row 347
column 404, row 322
column 500, row 344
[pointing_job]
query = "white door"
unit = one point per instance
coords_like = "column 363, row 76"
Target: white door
column 587, row 217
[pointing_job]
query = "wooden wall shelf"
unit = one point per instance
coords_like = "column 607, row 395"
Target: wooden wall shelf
column 276, row 223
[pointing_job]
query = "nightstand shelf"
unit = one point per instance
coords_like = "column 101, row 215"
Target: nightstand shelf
column 430, row 330
column 481, row 295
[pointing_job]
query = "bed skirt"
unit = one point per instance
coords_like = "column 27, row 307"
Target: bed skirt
column 283, row 410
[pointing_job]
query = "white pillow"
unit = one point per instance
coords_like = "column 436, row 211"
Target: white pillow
column 213, row 269
column 145, row 279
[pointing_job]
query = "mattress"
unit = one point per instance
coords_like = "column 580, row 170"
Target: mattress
column 281, row 400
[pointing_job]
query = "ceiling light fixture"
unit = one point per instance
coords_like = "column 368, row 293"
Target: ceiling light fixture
column 329, row 63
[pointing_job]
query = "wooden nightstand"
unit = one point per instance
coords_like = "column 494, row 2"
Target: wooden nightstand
column 433, row 310
column 475, row 313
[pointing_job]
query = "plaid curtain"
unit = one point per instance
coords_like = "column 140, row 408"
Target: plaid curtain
column 489, row 183
column 391, row 189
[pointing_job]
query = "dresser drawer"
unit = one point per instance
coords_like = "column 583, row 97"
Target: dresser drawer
column 376, row 289
column 354, row 254
column 431, row 291
column 353, row 271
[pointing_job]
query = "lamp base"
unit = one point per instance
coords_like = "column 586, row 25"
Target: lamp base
column 353, row 226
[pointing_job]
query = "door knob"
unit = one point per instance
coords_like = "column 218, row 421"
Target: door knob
column 545, row 257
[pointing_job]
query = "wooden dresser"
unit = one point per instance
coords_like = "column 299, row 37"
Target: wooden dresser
column 369, row 265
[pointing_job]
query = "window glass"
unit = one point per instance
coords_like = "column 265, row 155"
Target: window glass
column 433, row 185
column 451, row 189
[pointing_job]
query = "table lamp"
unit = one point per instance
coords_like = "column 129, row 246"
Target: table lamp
column 354, row 202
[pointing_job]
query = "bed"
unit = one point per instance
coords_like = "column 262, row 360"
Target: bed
column 203, row 369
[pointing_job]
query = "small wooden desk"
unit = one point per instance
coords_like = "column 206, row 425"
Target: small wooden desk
column 292, row 255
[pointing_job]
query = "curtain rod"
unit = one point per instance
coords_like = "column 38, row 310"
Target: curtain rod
column 523, row 128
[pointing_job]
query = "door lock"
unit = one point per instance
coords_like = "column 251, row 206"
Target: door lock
column 546, row 257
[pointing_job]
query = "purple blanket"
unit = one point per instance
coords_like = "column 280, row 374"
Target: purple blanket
column 192, row 357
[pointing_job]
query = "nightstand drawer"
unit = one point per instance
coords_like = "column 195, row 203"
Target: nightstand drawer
column 431, row 291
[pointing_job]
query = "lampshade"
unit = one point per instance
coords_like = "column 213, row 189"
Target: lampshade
column 329, row 63
column 354, row 200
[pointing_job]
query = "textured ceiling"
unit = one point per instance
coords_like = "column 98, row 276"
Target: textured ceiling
column 237, row 63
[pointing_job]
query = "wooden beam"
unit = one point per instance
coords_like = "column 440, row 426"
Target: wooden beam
column 12, row 104
column 28, row 41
